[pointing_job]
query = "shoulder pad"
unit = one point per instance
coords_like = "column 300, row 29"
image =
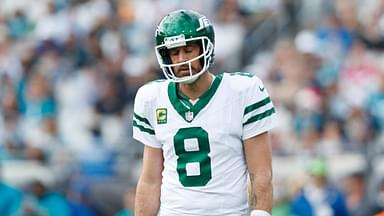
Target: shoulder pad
column 241, row 81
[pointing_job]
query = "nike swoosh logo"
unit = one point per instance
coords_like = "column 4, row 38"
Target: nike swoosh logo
column 261, row 88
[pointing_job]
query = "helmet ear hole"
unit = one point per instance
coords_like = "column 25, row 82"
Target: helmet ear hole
column 209, row 45
column 206, row 46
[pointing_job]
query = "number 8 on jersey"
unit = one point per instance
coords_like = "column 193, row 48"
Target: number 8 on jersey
column 193, row 163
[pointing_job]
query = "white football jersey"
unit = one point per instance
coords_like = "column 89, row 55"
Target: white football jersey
column 205, row 171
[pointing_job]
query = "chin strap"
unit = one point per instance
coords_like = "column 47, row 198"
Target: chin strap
column 190, row 81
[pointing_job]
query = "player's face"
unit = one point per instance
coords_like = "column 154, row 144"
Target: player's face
column 183, row 54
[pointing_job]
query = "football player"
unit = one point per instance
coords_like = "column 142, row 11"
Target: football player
column 203, row 134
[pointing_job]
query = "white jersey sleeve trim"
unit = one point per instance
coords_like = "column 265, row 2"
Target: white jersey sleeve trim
column 259, row 127
column 143, row 130
column 259, row 112
column 142, row 124
column 149, row 140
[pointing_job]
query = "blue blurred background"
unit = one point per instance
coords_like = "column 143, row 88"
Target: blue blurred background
column 69, row 71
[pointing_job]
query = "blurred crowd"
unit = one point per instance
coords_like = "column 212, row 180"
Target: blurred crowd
column 69, row 71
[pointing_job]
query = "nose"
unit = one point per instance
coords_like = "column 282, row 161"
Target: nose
column 182, row 56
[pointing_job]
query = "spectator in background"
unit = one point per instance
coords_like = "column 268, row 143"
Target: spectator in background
column 379, row 201
column 18, row 25
column 227, row 25
column 54, row 25
column 335, row 38
column 39, row 103
column 285, row 72
column 38, row 119
column 112, row 99
column 9, row 125
column 357, row 197
column 45, row 202
column 375, row 107
column 331, row 142
column 372, row 31
column 359, row 75
column 128, row 203
column 318, row 196
column 10, row 198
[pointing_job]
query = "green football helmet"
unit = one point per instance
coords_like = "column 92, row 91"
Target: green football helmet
column 177, row 29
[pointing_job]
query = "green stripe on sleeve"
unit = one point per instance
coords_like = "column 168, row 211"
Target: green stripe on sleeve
column 260, row 116
column 142, row 119
column 257, row 105
column 143, row 129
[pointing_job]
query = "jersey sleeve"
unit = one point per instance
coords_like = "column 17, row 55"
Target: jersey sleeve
column 143, row 129
column 259, row 113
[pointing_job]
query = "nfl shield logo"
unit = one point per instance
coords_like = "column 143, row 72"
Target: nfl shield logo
column 189, row 116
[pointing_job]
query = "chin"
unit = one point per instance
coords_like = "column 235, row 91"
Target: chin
column 183, row 74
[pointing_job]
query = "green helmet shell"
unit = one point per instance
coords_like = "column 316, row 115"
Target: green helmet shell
column 187, row 22
column 177, row 29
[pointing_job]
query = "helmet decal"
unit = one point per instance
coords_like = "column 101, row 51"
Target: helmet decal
column 204, row 22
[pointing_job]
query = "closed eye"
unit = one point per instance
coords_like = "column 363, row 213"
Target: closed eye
column 174, row 52
column 189, row 49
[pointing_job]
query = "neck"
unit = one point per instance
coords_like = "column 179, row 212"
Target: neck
column 197, row 88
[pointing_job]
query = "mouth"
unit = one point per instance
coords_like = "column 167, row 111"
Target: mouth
column 183, row 71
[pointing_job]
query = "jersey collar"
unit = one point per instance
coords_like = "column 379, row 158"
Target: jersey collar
column 186, row 109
